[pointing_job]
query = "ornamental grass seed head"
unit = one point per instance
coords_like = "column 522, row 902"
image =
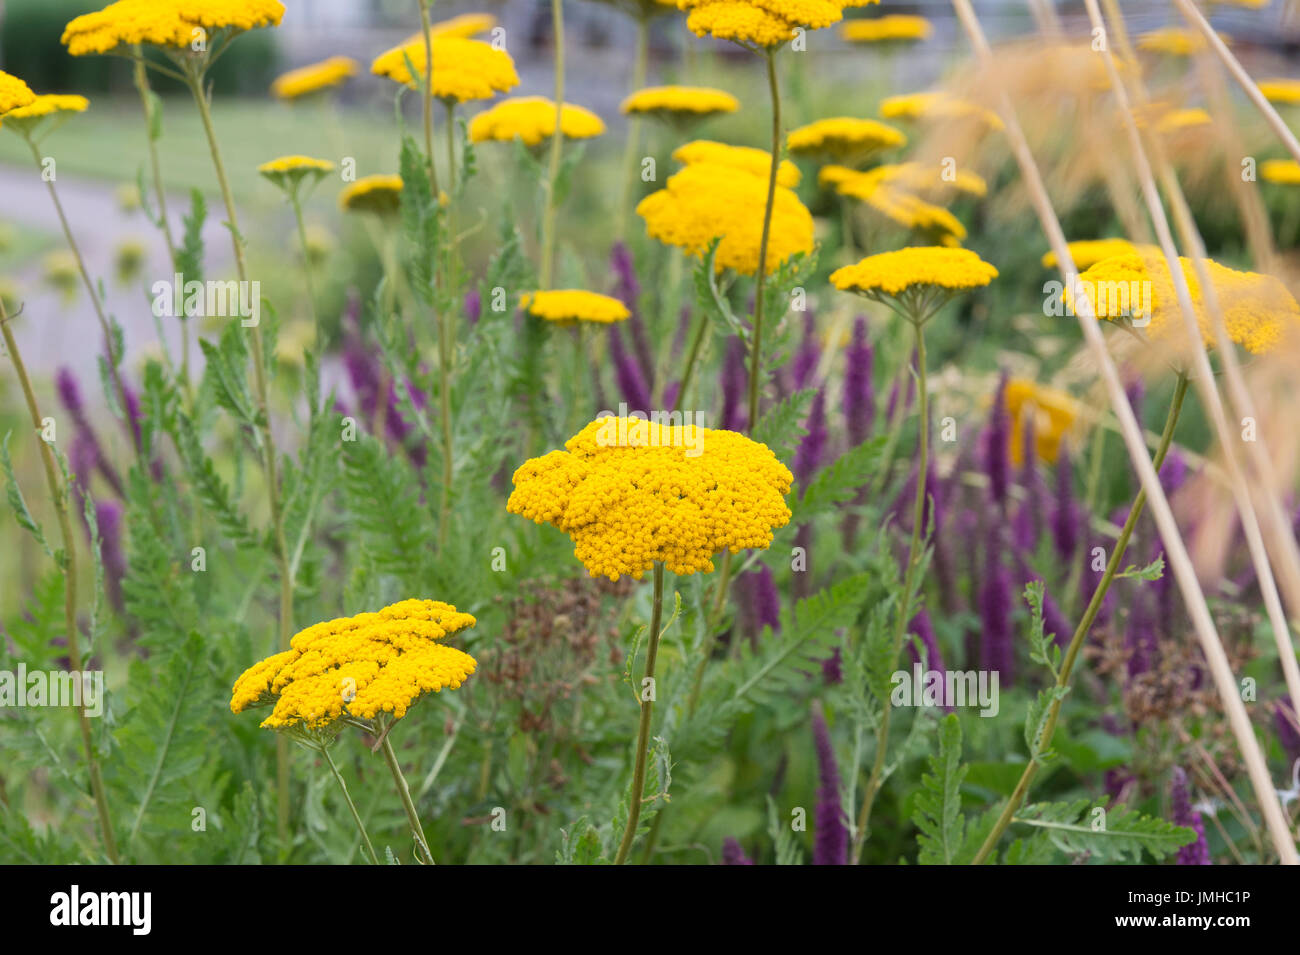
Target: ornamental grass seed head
column 632, row 492
column 177, row 24
column 327, row 74
column 359, row 667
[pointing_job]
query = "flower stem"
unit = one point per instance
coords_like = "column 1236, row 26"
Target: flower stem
column 426, row 26
column 914, row 553
column 756, row 350
column 1081, row 631
column 450, row 106
column 59, row 497
column 194, row 79
column 306, row 266
column 639, row 63
column 404, row 791
column 643, row 731
column 553, row 169
column 356, row 816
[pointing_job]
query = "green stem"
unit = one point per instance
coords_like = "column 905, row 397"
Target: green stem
column 306, row 266
column 643, row 731
column 697, row 341
column 639, row 64
column 356, row 816
column 404, row 791
column 914, row 553
column 756, row 351
column 428, row 96
column 1081, row 631
column 59, row 497
column 194, row 79
column 553, row 169
column 450, row 108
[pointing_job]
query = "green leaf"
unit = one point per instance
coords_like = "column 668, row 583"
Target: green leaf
column 17, row 503
column 1078, row 828
column 840, row 481
column 1036, row 717
column 937, row 812
column 782, row 427
column 783, row 841
column 1152, row 571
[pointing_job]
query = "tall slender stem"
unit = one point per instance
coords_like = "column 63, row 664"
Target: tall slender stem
column 356, row 816
column 114, row 359
column 59, row 497
column 427, row 92
column 194, row 79
column 553, row 169
column 914, row 551
column 1081, row 631
column 404, row 791
column 643, row 730
column 639, row 64
column 450, row 111
column 306, row 265
column 756, row 352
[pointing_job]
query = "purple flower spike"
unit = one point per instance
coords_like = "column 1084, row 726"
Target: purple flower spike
column 833, row 668
column 808, row 457
column 805, row 359
column 1197, row 852
column 733, row 854
column 1027, row 527
column 108, row 515
column 1284, row 718
column 859, row 399
column 831, row 845
column 735, row 381
column 628, row 374
column 767, row 604
column 1065, row 515
column 473, row 305
column 996, row 648
column 997, row 448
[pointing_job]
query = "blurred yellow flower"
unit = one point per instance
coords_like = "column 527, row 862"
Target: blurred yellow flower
column 1284, row 91
column 379, row 194
column 13, row 93
column 915, row 269
column 464, row 25
column 1055, row 412
column 672, row 100
column 756, row 162
column 1281, row 171
column 843, row 138
column 46, row 105
column 463, row 69
column 1175, row 41
column 933, row 106
column 170, row 23
column 631, row 492
column 888, row 29
column 765, row 23
column 567, row 306
column 532, row 120
column 314, row 77
column 1088, row 252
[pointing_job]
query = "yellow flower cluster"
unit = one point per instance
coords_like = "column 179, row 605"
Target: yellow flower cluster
column 1054, row 414
column 892, row 273
column 1257, row 309
column 1284, row 91
column 756, row 162
column 47, row 105
column 691, row 100
column 379, row 194
column 13, row 93
column 889, row 29
column 1281, row 171
column 844, row 138
column 463, row 69
column 1175, row 41
column 532, row 119
column 765, row 23
column 359, row 666
column 464, row 25
column 875, row 188
column 936, row 106
column 288, row 171
column 631, row 492
column 1173, row 120
column 1088, row 252
column 566, row 306
column 313, row 77
column 174, row 23
column 912, row 175
column 708, row 200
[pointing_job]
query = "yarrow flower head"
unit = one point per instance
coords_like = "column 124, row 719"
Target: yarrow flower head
column 13, row 93
column 680, row 104
column 758, row 23
column 166, row 23
column 358, row 667
column 880, row 188
column 1257, row 309
column 314, row 77
column 1282, row 172
column 1052, row 412
column 632, row 492
column 893, row 29
column 568, row 306
column 463, row 69
column 290, row 172
column 531, row 119
column 936, row 106
column 379, row 194
column 915, row 281
column 25, row 119
column 721, row 194
column 1088, row 252
column 1285, row 92
column 844, row 138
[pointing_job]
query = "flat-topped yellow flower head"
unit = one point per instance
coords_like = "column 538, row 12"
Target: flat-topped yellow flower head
column 1285, row 92
column 1054, row 413
column 379, row 194
column 758, row 23
column 1258, row 311
column 14, row 93
column 314, row 77
column 1088, row 252
column 1285, row 172
column 25, row 118
column 679, row 102
column 631, row 492
column 463, row 69
column 883, row 189
column 936, row 107
column 361, row 667
column 568, row 306
column 531, row 119
column 915, row 281
column 844, row 139
column 707, row 201
column 290, row 172
column 756, row 162
column 178, row 24
column 895, row 28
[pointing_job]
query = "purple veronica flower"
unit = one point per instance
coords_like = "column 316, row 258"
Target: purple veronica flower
column 1027, row 526
column 805, row 359
column 831, row 845
column 1065, row 515
column 921, row 627
column 473, row 305
column 1197, row 852
column 86, row 454
column 997, row 450
column 108, row 515
column 1173, row 472
column 735, row 382
column 766, row 602
column 995, row 601
column 1284, row 718
column 733, row 854
column 631, row 383
column 859, row 399
column 808, row 457
column 833, row 668
column 1140, row 636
